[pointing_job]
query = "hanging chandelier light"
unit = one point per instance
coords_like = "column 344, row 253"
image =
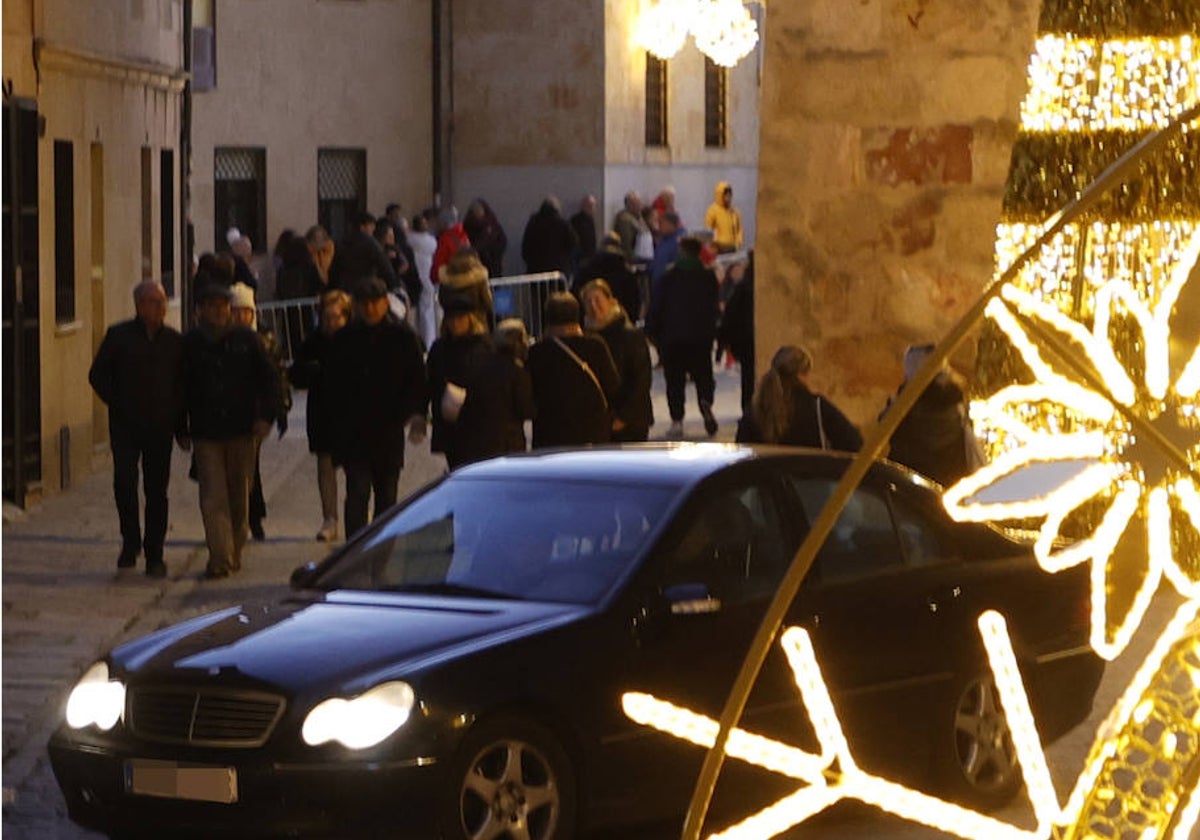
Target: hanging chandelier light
column 663, row 27
column 724, row 31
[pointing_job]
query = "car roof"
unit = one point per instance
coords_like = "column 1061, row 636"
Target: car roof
column 665, row 464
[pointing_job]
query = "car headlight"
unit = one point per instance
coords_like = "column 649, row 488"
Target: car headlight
column 362, row 721
column 96, row 699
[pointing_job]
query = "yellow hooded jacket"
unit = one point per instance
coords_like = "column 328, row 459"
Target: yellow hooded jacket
column 725, row 222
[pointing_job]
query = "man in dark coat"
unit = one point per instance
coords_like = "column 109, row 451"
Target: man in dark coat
column 232, row 395
column 376, row 378
column 632, row 410
column 359, row 257
column 549, row 241
column 574, row 379
column 584, row 225
column 137, row 373
column 682, row 322
column 609, row 264
column 499, row 398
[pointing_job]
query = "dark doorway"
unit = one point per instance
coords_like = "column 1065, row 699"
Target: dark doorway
column 22, row 422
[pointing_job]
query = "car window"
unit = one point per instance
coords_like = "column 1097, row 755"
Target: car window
column 533, row 539
column 863, row 540
column 924, row 543
column 734, row 544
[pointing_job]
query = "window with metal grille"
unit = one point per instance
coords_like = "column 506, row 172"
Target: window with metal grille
column 341, row 188
column 64, row 231
column 716, row 98
column 240, row 194
column 656, row 101
column 166, row 208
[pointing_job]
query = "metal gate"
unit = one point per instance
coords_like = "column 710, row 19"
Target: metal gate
column 22, row 422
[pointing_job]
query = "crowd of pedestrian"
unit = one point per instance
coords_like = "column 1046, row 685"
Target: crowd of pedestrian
column 407, row 333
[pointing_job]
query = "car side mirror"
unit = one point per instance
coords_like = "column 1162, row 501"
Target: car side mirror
column 691, row 599
column 302, row 574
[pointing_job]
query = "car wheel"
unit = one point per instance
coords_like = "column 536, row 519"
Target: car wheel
column 511, row 779
column 974, row 755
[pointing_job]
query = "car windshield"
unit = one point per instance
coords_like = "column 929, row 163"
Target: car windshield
column 536, row 540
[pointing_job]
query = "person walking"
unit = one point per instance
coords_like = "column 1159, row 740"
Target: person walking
column 309, row 371
column 724, row 219
column 935, row 437
column 499, row 399
column 458, row 354
column 424, row 245
column 609, row 264
column 632, row 409
column 377, row 381
column 632, row 230
column 487, row 236
column 682, row 322
column 137, row 373
column 787, row 411
column 245, row 314
column 231, row 391
column 736, row 332
column 574, row 379
column 549, row 240
column 584, row 225
column 666, row 251
column 451, row 238
column 463, row 286
column 359, row 257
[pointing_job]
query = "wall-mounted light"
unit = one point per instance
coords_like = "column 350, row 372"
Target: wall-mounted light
column 724, row 30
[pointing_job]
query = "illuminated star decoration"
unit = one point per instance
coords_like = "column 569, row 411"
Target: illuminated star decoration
column 1081, row 446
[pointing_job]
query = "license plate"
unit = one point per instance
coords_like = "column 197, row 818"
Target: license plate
column 175, row 780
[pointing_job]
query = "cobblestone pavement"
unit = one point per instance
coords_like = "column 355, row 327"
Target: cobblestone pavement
column 64, row 604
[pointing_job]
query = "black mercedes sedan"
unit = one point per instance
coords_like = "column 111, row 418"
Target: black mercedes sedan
column 457, row 669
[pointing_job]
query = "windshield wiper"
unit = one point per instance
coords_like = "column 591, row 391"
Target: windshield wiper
column 444, row 588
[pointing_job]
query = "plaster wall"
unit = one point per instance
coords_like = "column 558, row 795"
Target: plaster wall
column 111, row 92
column 886, row 134
column 293, row 78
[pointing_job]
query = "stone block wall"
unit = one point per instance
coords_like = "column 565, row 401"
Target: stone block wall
column 887, row 127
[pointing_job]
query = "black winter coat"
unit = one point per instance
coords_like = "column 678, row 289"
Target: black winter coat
column 548, row 243
column 804, row 428
column 612, row 268
column 492, row 420
column 229, row 383
column 931, row 438
column 454, row 360
column 684, row 309
column 140, row 379
column 631, row 402
column 376, row 379
column 357, row 257
column 308, row 371
column 570, row 410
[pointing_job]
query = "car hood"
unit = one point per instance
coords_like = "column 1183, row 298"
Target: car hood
column 346, row 641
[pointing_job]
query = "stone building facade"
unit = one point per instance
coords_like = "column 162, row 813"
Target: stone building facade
column 92, row 173
column 887, row 127
column 551, row 99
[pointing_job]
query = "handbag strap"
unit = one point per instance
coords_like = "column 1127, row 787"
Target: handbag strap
column 586, row 368
column 821, row 425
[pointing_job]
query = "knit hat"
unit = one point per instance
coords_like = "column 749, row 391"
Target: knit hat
column 242, row 296
column 463, row 269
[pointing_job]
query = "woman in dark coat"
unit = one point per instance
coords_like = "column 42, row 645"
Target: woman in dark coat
column 487, row 236
column 308, row 371
column 499, row 399
column 785, row 411
column 632, row 409
column 456, row 356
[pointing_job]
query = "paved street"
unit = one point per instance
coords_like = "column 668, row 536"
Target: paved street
column 63, row 605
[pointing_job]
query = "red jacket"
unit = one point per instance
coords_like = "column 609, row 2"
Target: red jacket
column 452, row 238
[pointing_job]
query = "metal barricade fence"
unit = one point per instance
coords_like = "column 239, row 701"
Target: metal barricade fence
column 292, row 320
column 524, row 296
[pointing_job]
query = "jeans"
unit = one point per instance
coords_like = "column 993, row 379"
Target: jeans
column 361, row 479
column 327, row 485
column 154, row 451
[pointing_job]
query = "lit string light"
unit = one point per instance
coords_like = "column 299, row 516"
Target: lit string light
column 724, row 30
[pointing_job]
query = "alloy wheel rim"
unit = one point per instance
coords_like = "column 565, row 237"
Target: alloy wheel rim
column 986, row 754
column 510, row 791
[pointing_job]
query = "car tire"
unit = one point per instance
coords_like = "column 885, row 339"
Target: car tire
column 974, row 758
column 510, row 778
